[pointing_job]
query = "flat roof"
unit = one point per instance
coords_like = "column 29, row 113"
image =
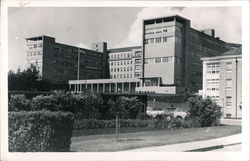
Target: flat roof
column 175, row 15
column 100, row 81
column 124, row 49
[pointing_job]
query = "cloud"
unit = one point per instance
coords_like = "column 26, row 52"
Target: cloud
column 225, row 20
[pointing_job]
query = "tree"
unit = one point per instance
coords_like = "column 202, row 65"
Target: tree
column 205, row 111
column 27, row 80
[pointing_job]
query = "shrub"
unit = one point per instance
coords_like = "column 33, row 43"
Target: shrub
column 19, row 103
column 40, row 131
column 205, row 111
column 44, row 103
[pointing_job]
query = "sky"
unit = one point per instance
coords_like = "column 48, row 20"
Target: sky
column 118, row 26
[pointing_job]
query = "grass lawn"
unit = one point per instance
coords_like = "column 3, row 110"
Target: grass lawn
column 132, row 138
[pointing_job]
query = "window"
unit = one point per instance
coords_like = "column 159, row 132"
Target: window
column 213, row 68
column 212, row 84
column 146, row 41
column 168, row 29
column 40, row 45
column 151, row 40
column 137, row 74
column 228, row 101
column 120, row 75
column 158, row 60
column 229, row 66
column 127, row 68
column 149, row 31
column 158, row 40
column 158, row 30
column 137, row 61
column 229, row 84
column 111, row 69
column 138, row 53
column 118, row 63
column 114, row 69
column 165, row 39
column 165, row 59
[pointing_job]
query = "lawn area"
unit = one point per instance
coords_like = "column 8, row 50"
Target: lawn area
column 132, row 138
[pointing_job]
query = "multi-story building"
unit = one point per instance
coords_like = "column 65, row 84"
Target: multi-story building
column 222, row 80
column 172, row 52
column 125, row 62
column 60, row 63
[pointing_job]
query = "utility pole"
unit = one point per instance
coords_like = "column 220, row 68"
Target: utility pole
column 117, row 126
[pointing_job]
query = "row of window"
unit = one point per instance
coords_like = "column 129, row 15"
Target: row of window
column 213, row 68
column 35, row 53
column 163, row 60
column 229, row 101
column 161, row 39
column 124, row 62
column 122, row 76
column 34, row 46
column 215, row 98
column 120, row 56
column 158, row 30
column 229, row 66
column 121, row 69
column 213, row 84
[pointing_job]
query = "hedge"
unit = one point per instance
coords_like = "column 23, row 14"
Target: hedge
column 164, row 123
column 40, row 131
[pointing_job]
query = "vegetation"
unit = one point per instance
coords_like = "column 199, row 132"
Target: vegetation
column 84, row 106
column 205, row 111
column 40, row 131
column 27, row 80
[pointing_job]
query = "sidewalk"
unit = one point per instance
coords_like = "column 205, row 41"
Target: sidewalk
column 198, row 146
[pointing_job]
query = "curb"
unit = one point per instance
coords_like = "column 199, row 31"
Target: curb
column 212, row 148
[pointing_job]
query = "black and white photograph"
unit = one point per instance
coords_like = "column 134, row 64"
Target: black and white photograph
column 135, row 79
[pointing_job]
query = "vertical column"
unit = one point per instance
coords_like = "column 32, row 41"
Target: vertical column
column 80, row 87
column 158, row 81
column 86, row 86
column 92, row 87
column 77, row 88
column 129, row 87
column 97, row 88
column 103, row 87
column 116, row 87
column 69, row 87
column 122, row 87
column 110, row 87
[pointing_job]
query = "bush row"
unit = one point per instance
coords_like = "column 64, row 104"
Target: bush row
column 150, row 123
column 84, row 106
column 40, row 131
